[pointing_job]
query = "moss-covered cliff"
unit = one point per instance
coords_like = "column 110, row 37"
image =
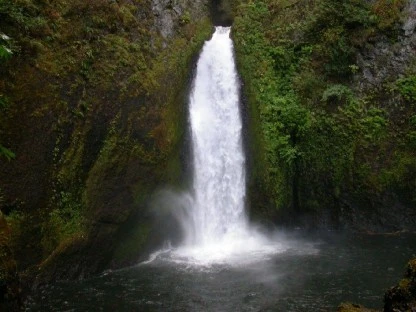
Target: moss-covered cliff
column 92, row 117
column 93, row 101
column 330, row 88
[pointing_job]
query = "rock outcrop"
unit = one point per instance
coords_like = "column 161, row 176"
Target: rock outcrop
column 388, row 56
column 403, row 296
column 400, row 298
column 351, row 307
column 169, row 14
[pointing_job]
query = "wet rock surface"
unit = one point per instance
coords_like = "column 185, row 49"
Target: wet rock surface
column 410, row 23
column 399, row 298
column 402, row 297
column 386, row 58
column 170, row 14
column 351, row 307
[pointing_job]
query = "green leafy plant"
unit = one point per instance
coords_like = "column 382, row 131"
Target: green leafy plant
column 7, row 153
column 388, row 13
column 63, row 223
column 407, row 87
column 185, row 18
column 338, row 94
column 5, row 54
column 5, row 50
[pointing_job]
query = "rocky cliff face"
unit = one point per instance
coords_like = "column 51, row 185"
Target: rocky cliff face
column 95, row 117
column 388, row 56
column 383, row 61
column 169, row 14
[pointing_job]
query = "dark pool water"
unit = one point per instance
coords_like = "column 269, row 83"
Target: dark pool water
column 316, row 275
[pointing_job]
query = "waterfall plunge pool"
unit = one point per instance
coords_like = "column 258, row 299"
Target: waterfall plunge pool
column 317, row 274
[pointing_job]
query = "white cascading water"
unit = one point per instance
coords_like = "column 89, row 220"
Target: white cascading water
column 218, row 159
column 215, row 225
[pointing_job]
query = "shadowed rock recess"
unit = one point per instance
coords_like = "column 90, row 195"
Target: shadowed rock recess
column 221, row 12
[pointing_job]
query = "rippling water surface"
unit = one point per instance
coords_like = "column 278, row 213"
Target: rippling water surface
column 313, row 274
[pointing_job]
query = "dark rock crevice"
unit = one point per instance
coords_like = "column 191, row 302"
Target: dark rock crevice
column 221, row 12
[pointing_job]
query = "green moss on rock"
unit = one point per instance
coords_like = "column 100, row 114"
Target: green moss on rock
column 102, row 94
column 131, row 245
column 403, row 296
column 351, row 307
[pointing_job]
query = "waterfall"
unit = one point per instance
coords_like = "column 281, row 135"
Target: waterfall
column 218, row 158
column 213, row 213
column 216, row 227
